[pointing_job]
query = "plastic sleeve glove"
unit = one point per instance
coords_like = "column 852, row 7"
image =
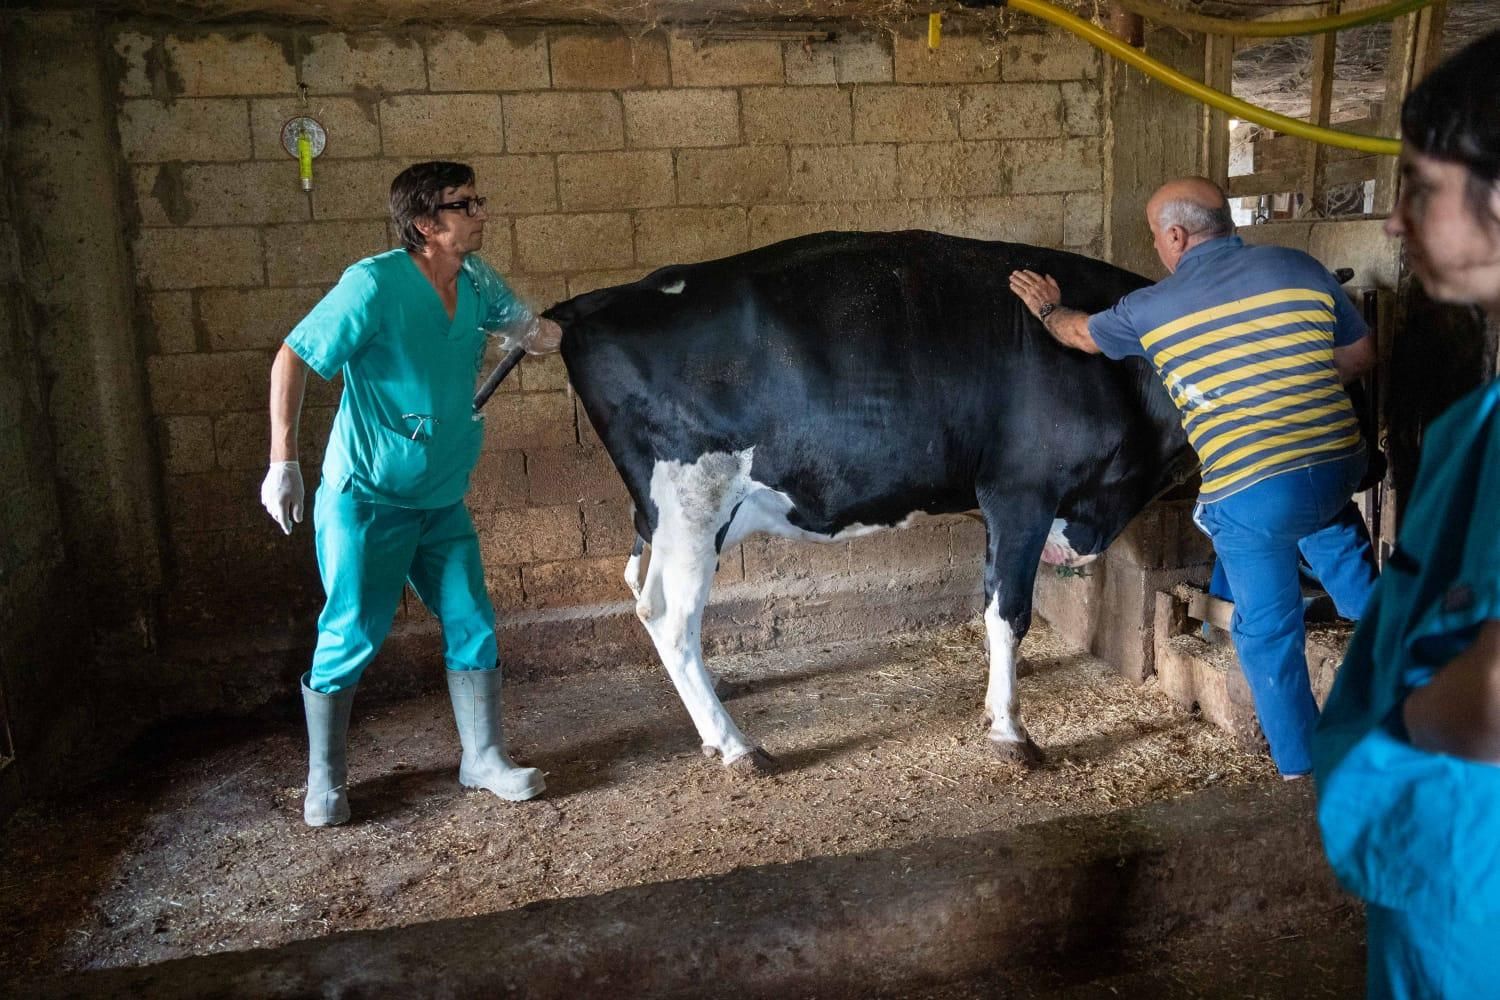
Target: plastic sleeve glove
column 282, row 494
column 535, row 336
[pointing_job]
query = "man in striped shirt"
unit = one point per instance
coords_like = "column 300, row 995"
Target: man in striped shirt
column 1254, row 345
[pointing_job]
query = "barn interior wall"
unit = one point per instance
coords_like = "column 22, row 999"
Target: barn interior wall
column 604, row 154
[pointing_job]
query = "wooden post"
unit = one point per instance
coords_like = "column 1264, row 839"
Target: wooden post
column 1129, row 28
column 1416, row 40
column 1324, row 51
column 1218, row 73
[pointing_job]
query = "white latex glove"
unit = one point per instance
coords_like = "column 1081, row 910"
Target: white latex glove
column 282, row 493
column 537, row 336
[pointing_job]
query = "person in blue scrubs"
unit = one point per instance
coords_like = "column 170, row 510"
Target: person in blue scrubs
column 407, row 329
column 1254, row 345
column 1407, row 754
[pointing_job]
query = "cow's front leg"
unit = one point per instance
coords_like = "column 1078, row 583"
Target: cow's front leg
column 671, row 607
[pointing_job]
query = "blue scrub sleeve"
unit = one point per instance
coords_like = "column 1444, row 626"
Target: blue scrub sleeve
column 340, row 324
column 500, row 308
column 1115, row 331
column 1474, row 595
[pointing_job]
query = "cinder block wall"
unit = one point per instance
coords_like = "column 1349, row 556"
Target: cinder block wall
column 604, row 155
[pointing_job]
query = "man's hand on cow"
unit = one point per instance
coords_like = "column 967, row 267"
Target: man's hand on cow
column 1036, row 290
column 282, row 494
column 548, row 338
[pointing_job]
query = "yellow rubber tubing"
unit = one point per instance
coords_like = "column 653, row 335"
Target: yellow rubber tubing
column 1268, row 29
column 1101, row 39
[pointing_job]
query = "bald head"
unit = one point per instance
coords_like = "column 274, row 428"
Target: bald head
column 1184, row 213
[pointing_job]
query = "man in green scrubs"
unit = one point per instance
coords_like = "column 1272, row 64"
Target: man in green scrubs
column 407, row 328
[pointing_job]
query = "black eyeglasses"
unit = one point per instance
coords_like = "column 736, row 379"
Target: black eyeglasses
column 469, row 206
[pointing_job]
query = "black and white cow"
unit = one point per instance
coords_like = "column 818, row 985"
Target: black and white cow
column 834, row 385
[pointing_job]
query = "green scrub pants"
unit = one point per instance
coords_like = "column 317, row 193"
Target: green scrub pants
column 366, row 554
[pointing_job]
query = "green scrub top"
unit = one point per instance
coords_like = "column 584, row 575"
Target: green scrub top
column 405, row 433
column 1404, row 828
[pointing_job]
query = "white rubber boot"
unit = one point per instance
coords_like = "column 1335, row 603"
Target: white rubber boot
column 476, row 709
column 327, row 802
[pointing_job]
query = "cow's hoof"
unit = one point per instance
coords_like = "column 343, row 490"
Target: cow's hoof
column 755, row 764
column 1023, row 752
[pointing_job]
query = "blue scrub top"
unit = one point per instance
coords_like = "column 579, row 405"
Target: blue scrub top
column 405, row 433
column 1404, row 828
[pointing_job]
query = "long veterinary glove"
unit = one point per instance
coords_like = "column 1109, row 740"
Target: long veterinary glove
column 282, row 493
column 535, row 335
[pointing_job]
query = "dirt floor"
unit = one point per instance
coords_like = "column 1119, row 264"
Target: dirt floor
column 198, row 846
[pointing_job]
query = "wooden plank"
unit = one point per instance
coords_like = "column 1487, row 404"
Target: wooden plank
column 1416, row 40
column 1270, row 182
column 1203, row 607
column 1218, row 73
column 1320, row 98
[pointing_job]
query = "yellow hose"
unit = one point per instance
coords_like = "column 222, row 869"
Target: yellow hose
column 1268, row 29
column 1101, row 39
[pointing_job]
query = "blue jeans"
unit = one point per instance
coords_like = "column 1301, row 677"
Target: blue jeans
column 1257, row 534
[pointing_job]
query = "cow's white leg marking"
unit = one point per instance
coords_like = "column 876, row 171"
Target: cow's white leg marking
column 692, row 502
column 1000, row 698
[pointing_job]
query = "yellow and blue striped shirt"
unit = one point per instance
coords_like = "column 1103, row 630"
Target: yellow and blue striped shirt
column 1243, row 338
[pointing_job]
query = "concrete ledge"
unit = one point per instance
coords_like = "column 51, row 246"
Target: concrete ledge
column 1068, row 892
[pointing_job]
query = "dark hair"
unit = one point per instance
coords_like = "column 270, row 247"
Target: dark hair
column 416, row 192
column 1454, row 114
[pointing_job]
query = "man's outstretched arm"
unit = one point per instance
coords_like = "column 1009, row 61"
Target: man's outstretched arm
column 1041, row 294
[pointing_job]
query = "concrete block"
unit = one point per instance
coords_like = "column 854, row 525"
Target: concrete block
column 170, row 315
column 1045, row 165
column 253, row 319
column 607, row 59
column 571, row 475
column 1163, row 536
column 578, row 581
column 208, row 383
column 1081, row 102
column 850, row 57
column 1360, row 244
column 635, row 179
column 539, row 291
column 544, row 373
column 813, row 115
column 504, row 585
column 771, row 223
column 242, row 440
column 187, row 444
column 906, row 114
column 343, row 62
column 609, row 530
column 352, row 123
column 683, row 235
column 531, row 534
column 487, row 60
column 742, row 175
column 963, row 57
column 219, row 194
column 562, row 122
column 768, row 558
column 1011, row 111
column 516, row 185
column 1053, row 55
column 217, row 501
column 954, row 169
column 586, row 281
column 316, row 253
column 546, row 243
column 1034, row 219
column 530, row 420
column 196, row 129
column 195, row 258
column 660, row 118
column 134, row 58
column 498, row 482
column 497, row 248
column 220, row 65
column 697, row 62
column 900, row 552
column 426, row 127
column 352, row 189
column 843, row 173
column 1083, row 218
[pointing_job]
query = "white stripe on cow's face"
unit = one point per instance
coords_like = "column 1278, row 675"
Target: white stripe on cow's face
column 1000, row 697
column 1059, row 551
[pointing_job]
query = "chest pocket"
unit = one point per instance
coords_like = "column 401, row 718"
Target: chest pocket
column 413, row 470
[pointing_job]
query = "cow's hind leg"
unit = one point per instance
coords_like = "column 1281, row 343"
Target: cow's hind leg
column 1015, row 545
column 671, row 607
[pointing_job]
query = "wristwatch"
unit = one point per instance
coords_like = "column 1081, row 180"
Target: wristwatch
column 1044, row 310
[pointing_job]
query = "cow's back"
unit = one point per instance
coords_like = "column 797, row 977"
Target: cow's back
column 873, row 373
